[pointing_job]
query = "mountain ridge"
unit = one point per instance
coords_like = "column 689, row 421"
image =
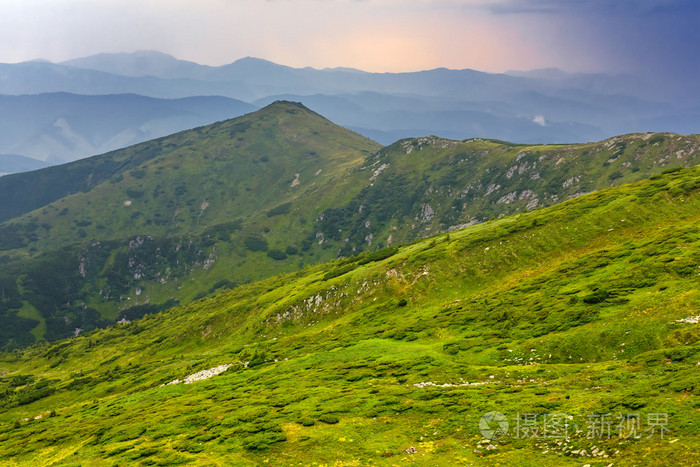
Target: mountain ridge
column 60, row 127
column 139, row 63
column 122, row 160
column 455, row 104
column 14, row 163
column 276, row 190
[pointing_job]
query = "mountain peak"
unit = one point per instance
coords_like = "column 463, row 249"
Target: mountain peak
column 286, row 107
column 139, row 63
column 137, row 53
column 117, row 57
column 250, row 59
column 285, row 104
column 254, row 63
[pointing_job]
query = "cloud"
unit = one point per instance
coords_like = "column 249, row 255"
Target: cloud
column 594, row 7
column 656, row 38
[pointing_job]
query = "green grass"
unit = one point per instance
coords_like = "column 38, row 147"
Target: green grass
column 185, row 216
column 29, row 312
column 571, row 309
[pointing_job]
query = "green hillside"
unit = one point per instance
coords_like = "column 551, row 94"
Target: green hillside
column 584, row 312
column 422, row 186
column 184, row 182
column 154, row 213
column 176, row 219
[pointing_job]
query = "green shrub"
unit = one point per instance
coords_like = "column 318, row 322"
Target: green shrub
column 679, row 354
column 34, row 393
column 143, row 453
column 277, row 255
column 80, row 382
column 197, row 421
column 596, row 297
column 255, row 243
column 281, row 209
column 378, row 255
column 118, row 451
column 192, row 447
column 672, row 170
column 224, row 283
column 21, row 380
column 657, row 139
column 328, row 418
column 339, row 271
column 262, row 442
column 128, row 434
column 452, row 348
column 619, row 149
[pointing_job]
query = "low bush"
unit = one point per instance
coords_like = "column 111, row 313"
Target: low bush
column 596, row 297
column 329, row 419
column 255, row 243
column 277, row 255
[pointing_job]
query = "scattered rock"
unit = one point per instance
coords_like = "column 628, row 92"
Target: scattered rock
column 202, row 375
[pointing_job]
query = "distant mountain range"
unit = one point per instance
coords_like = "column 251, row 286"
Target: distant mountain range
column 540, row 106
column 61, row 127
column 12, row 163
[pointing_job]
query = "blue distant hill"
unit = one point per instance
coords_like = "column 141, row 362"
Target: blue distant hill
column 13, row 163
column 159, row 94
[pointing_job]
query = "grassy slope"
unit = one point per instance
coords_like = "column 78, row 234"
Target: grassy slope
column 446, row 184
column 184, row 183
column 243, row 168
column 588, row 291
column 185, row 195
column 196, row 197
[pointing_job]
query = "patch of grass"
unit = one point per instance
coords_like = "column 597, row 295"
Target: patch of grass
column 498, row 318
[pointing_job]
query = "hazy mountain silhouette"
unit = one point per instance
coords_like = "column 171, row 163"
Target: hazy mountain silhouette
column 142, row 63
column 60, row 127
column 13, row 163
column 544, row 106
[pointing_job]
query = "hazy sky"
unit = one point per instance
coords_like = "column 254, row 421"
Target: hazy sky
column 656, row 37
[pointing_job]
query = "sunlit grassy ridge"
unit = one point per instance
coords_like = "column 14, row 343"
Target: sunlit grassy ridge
column 156, row 212
column 179, row 218
column 576, row 309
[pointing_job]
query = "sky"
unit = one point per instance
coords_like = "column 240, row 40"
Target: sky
column 658, row 38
